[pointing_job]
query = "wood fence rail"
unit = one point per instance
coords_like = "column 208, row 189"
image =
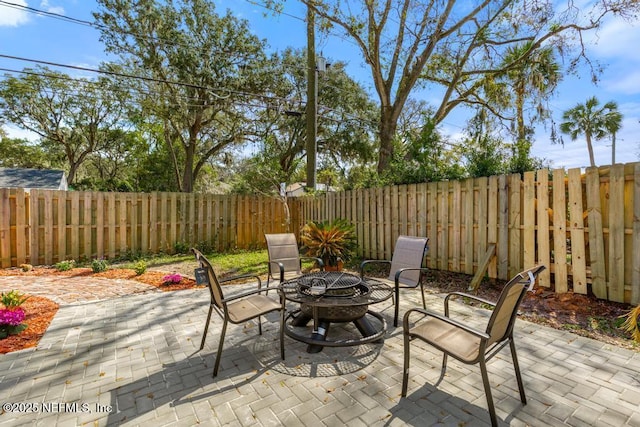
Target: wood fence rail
column 585, row 227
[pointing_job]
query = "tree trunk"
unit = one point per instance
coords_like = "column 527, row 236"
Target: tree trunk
column 590, row 148
column 388, row 126
column 187, row 174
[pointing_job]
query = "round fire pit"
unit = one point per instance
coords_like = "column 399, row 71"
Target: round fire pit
column 327, row 297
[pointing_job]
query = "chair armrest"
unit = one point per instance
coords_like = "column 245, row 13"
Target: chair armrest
column 249, row 293
column 402, row 270
column 280, row 269
column 465, row 295
column 364, row 263
column 444, row 318
column 242, row 276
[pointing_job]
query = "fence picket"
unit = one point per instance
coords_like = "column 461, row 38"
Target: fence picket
column 529, row 220
column 559, row 232
column 544, row 256
column 576, row 224
column 596, row 237
column 616, row 233
column 635, row 260
column 21, row 221
column 5, row 228
column 468, row 226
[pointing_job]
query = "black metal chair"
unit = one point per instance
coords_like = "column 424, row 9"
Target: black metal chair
column 237, row 308
column 467, row 344
column 405, row 268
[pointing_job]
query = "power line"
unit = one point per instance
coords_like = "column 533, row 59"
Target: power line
column 75, row 92
column 48, row 14
column 148, row 79
column 101, row 27
column 279, row 12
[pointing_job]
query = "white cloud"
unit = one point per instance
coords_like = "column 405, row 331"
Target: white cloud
column 13, row 16
column 626, row 83
column 15, row 132
column 44, row 4
column 617, row 39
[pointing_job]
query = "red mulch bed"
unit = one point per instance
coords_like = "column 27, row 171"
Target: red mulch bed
column 40, row 311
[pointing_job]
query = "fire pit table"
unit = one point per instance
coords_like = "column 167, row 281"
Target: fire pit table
column 327, row 297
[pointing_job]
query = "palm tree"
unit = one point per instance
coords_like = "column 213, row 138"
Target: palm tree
column 613, row 123
column 532, row 75
column 594, row 122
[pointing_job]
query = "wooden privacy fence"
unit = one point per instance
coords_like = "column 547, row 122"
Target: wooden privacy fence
column 584, row 227
column 47, row 226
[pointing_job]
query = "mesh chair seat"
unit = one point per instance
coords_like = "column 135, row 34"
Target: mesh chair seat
column 461, row 344
column 251, row 307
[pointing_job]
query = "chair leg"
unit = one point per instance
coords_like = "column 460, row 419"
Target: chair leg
column 206, row 327
column 219, row 354
column 516, row 366
column 424, row 302
column 260, row 325
column 397, row 307
column 487, row 392
column 282, row 333
column 405, row 368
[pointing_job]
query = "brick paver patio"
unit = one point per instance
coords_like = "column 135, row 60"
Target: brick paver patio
column 131, row 359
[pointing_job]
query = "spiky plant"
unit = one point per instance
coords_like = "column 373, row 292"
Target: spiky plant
column 632, row 323
column 329, row 241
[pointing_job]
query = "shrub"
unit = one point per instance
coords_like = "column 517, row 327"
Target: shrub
column 65, row 265
column 99, row 265
column 140, row 267
column 330, row 241
column 12, row 299
column 180, row 248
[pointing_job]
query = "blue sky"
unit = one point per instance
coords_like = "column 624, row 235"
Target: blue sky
column 28, row 35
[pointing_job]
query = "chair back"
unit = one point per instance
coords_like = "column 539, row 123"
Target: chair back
column 212, row 281
column 502, row 319
column 408, row 253
column 283, row 248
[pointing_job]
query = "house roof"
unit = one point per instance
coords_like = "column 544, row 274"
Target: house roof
column 32, row 178
column 296, row 186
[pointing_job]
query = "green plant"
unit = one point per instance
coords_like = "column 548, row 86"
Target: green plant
column 631, row 323
column 331, row 241
column 99, row 265
column 180, row 248
column 140, row 267
column 12, row 299
column 65, row 265
column 206, row 247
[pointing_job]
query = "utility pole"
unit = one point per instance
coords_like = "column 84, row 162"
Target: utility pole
column 312, row 101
